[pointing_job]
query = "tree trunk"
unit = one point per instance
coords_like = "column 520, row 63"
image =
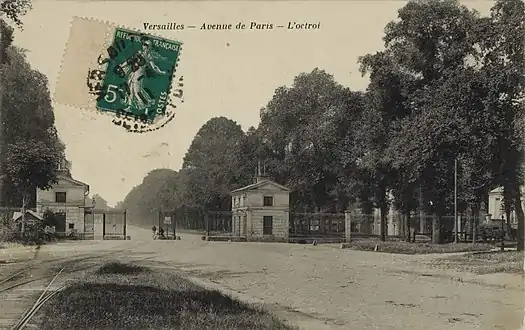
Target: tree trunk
column 508, row 214
column 422, row 216
column 475, row 220
column 383, row 222
column 406, row 222
column 521, row 220
column 383, row 207
column 24, row 203
column 2, row 142
column 508, row 202
column 436, row 228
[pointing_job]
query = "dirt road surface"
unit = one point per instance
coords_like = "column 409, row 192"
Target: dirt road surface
column 342, row 289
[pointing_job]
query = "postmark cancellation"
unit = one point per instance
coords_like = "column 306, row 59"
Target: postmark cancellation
column 127, row 75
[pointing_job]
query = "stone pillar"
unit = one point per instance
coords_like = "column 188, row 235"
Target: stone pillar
column 81, row 223
column 249, row 224
column 244, row 221
column 348, row 226
column 286, row 225
column 377, row 222
column 235, row 224
column 483, row 213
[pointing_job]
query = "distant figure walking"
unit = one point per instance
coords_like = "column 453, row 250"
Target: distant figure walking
column 154, row 229
column 161, row 232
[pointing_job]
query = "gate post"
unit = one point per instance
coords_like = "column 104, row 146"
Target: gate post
column 207, row 220
column 287, row 225
column 174, row 224
column 348, row 226
column 125, row 224
column 103, row 225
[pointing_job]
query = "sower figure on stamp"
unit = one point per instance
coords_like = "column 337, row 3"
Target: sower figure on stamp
column 136, row 71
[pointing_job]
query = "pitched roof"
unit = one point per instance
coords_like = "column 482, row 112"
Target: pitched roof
column 260, row 184
column 73, row 181
column 80, row 183
column 18, row 215
column 499, row 190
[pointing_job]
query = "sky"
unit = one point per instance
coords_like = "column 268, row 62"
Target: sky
column 227, row 73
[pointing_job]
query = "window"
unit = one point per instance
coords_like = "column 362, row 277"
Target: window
column 71, row 226
column 60, row 197
column 268, row 201
column 267, row 225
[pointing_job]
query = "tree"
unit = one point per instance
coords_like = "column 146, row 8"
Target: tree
column 212, row 166
column 143, row 200
column 503, row 65
column 31, row 165
column 27, row 112
column 385, row 106
column 13, row 10
column 428, row 41
column 302, row 129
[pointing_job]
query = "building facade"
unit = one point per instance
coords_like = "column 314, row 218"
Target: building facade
column 496, row 209
column 67, row 199
column 261, row 211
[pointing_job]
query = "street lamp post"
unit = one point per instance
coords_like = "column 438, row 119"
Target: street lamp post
column 456, row 200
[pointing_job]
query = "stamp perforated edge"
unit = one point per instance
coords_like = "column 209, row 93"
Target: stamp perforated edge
column 66, row 48
column 172, row 101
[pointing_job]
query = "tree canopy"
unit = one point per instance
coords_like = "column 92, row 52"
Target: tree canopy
column 29, row 142
column 446, row 90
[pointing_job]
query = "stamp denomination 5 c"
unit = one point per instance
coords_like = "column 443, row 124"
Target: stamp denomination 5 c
column 126, row 74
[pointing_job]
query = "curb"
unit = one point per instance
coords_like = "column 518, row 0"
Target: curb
column 291, row 317
column 12, row 254
column 461, row 277
column 20, row 249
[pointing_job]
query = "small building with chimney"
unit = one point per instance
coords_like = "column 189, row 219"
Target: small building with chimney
column 261, row 211
column 66, row 199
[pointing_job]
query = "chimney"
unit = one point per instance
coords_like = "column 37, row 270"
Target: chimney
column 261, row 173
column 61, row 166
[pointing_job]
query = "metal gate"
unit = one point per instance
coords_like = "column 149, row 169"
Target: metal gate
column 317, row 225
column 168, row 222
column 218, row 223
column 105, row 224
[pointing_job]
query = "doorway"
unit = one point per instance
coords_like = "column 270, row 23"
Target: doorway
column 60, row 219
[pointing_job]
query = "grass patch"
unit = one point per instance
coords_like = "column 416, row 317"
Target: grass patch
column 120, row 268
column 121, row 297
column 415, row 248
column 510, row 262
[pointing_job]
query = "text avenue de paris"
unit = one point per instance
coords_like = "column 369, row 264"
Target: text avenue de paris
column 291, row 25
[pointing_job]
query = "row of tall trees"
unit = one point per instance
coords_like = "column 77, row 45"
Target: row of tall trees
column 446, row 88
column 29, row 143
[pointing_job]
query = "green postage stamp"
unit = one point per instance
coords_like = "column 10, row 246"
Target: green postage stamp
column 132, row 76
